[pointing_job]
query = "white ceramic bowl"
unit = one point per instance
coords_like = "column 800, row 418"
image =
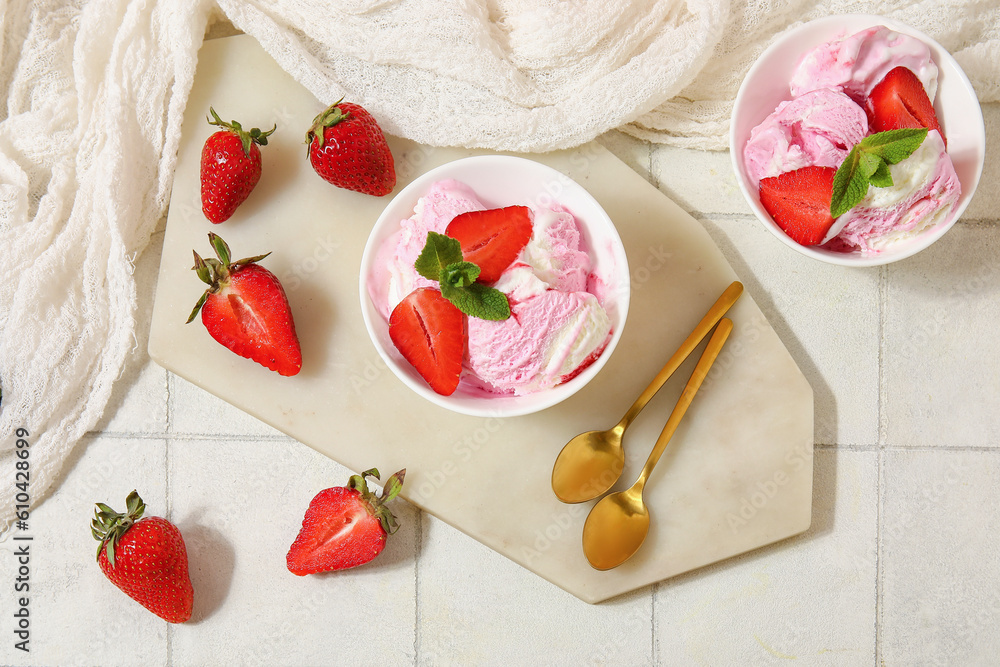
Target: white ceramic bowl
column 957, row 108
column 501, row 180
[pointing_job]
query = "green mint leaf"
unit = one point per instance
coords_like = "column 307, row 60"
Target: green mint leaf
column 849, row 184
column 478, row 300
column 868, row 163
column 894, row 146
column 881, row 177
column 438, row 253
column 460, row 274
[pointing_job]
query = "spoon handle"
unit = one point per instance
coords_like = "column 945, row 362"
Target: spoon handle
column 697, row 377
column 715, row 313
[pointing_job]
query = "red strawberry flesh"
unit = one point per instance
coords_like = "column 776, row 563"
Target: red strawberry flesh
column 251, row 317
column 429, row 331
column 344, row 526
column 338, row 532
column 492, row 239
column 246, row 310
column 900, row 101
column 799, row 202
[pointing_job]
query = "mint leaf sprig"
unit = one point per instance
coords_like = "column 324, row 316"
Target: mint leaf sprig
column 868, row 163
column 441, row 260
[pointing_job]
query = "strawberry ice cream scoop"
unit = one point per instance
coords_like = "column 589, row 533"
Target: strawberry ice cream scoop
column 432, row 213
column 816, row 129
column 546, row 340
column 924, row 193
column 857, row 63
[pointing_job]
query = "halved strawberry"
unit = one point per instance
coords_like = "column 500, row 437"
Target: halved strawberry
column 429, row 331
column 344, row 526
column 900, row 101
column 245, row 309
column 492, row 239
column 799, row 202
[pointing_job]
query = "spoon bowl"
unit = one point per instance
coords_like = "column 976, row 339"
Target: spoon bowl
column 615, row 529
column 617, row 526
column 592, row 462
column 589, row 465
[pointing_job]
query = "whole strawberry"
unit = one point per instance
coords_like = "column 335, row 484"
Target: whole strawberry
column 145, row 558
column 347, row 148
column 230, row 167
column 344, row 526
column 245, row 309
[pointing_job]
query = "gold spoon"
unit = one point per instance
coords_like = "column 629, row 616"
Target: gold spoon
column 592, row 462
column 617, row 526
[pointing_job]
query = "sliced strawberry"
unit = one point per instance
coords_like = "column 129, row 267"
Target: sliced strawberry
column 799, row 202
column 245, row 309
column 344, row 526
column 429, row 331
column 900, row 101
column 492, row 239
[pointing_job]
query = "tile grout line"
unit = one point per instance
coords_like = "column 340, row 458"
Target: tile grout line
column 169, row 404
column 654, row 649
column 219, row 437
column 883, row 305
column 882, row 438
column 416, row 587
column 170, row 511
column 168, row 431
column 878, row 557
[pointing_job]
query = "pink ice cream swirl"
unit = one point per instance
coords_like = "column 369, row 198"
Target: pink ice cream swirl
column 857, row 63
column 817, row 129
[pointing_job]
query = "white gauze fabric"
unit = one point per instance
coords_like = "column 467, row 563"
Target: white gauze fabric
column 95, row 93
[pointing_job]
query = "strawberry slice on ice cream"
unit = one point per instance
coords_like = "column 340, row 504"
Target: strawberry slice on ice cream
column 799, row 202
column 900, row 101
column 429, row 331
column 492, row 239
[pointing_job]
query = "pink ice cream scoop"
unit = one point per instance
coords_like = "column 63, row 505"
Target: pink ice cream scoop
column 857, row 63
column 818, row 128
column 924, row 192
column 546, row 340
column 432, row 213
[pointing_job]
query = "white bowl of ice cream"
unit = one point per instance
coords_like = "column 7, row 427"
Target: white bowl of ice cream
column 568, row 305
column 798, row 56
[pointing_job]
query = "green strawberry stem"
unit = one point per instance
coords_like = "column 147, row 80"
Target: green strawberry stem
column 329, row 117
column 376, row 504
column 215, row 272
column 254, row 136
column 108, row 526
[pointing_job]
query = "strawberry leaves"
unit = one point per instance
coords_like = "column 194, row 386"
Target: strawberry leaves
column 868, row 163
column 441, row 260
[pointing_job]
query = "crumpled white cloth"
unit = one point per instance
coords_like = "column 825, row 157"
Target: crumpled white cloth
column 95, row 93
